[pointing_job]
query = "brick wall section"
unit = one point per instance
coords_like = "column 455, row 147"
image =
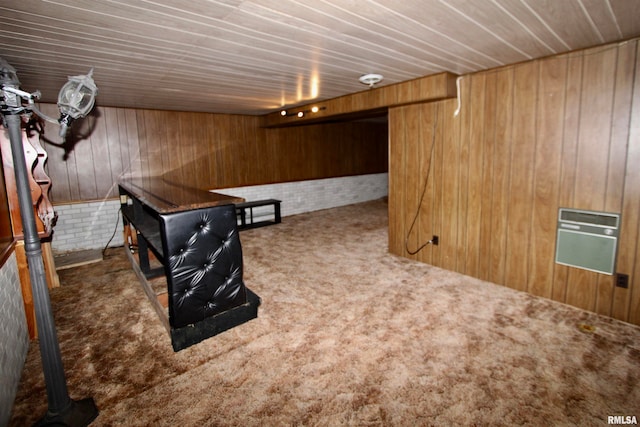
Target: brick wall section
column 87, row 225
column 14, row 336
column 307, row 196
column 90, row 225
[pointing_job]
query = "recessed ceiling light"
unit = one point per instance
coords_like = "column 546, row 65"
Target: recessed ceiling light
column 371, row 79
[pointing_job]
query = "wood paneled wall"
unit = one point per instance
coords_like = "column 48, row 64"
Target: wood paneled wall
column 205, row 151
column 529, row 138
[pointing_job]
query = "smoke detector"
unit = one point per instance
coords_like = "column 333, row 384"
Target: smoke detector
column 371, row 79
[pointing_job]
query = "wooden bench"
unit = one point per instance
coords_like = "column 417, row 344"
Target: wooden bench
column 245, row 223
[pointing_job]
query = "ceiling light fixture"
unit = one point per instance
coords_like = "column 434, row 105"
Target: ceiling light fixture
column 301, row 113
column 371, row 79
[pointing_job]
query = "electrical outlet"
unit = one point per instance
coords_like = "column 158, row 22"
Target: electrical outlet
column 622, row 280
column 434, row 240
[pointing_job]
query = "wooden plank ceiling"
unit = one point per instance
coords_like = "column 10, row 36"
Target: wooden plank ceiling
column 256, row 56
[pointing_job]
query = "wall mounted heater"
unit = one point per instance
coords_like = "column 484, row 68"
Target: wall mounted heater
column 587, row 239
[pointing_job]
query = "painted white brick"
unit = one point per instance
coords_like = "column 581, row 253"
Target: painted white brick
column 90, row 225
column 307, row 196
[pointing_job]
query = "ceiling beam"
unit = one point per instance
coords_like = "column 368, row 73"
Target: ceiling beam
column 371, row 101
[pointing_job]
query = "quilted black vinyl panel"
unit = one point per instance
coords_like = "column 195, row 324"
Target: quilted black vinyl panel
column 204, row 263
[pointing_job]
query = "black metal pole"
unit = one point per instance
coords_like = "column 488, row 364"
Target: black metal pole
column 62, row 410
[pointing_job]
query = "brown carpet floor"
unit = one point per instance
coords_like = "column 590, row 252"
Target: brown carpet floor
column 347, row 334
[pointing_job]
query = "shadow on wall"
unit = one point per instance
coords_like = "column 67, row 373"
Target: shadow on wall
column 78, row 131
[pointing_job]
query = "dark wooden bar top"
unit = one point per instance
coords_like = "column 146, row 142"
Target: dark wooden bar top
column 166, row 197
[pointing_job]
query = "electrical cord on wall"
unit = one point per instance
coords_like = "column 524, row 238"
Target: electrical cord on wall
column 113, row 234
column 424, row 189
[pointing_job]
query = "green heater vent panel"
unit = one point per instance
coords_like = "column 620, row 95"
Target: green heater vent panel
column 587, row 239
